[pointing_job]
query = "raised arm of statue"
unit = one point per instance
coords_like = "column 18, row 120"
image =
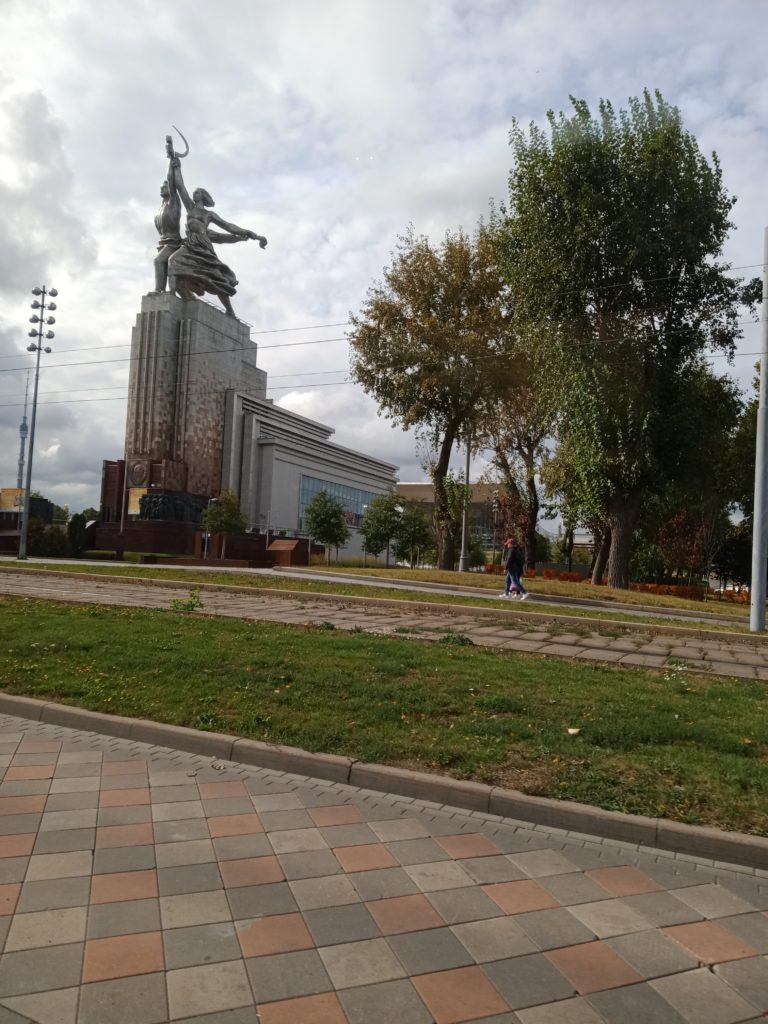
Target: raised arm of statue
column 237, row 234
column 178, row 179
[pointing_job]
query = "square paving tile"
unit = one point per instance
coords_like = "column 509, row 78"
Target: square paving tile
column 405, row 914
column 383, row 1003
column 568, row 1011
column 275, row 801
column 123, row 885
column 240, row 847
column 37, row 970
column 281, row 933
column 361, row 963
column 215, row 790
column 540, row 863
column 441, row 875
column 123, row 797
column 497, row 939
column 57, row 1006
column 652, row 954
column 251, row 871
column 46, row 928
column 123, row 918
column 626, row 881
column 365, row 857
column 16, row 846
column 471, row 845
column 227, row 805
column 205, row 908
column 709, row 942
column 340, row 814
column 333, row 925
column 551, row 929
column 140, row 1000
column 235, row 825
column 320, row 1009
column 528, row 980
column 520, row 897
column 277, row 821
column 662, row 908
column 400, row 828
column 459, row 905
column 108, row 836
column 464, row 994
column 194, row 851
column 383, row 884
column 122, row 956
column 592, row 967
column 491, row 869
column 314, row 864
column 635, row 1004
column 749, row 978
column 330, row 891
column 261, row 901
column 701, row 998
column 713, row 901
column 571, row 889
column 298, row 840
column 416, row 851
column 59, row 865
column 53, row 894
column 609, row 917
column 287, row 976
column 429, row 951
column 752, row 928
column 123, row 858
column 181, row 831
column 210, row 987
column 201, row 944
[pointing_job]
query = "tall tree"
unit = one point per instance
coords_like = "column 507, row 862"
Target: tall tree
column 429, row 345
column 612, row 241
column 223, row 516
column 380, row 523
column 326, row 522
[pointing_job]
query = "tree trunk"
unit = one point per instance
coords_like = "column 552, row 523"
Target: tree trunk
column 443, row 520
column 601, row 557
column 569, row 548
column 531, row 521
column 622, row 515
column 224, row 547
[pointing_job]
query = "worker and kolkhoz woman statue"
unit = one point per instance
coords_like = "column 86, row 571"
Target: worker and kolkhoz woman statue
column 188, row 265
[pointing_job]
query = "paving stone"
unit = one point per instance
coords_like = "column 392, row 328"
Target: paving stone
column 205, row 908
column 540, row 863
column 123, row 816
column 435, row 950
column 404, row 828
column 652, row 954
column 275, row 821
column 140, row 1000
column 222, row 986
column 609, row 917
column 751, row 928
column 297, row 840
column 361, row 963
column 37, row 970
column 245, row 1015
column 201, row 944
column 749, row 978
column 571, row 889
column 314, row 864
column 662, row 908
column 462, row 994
column 191, row 878
column 57, row 1007
column 441, row 875
column 123, row 918
column 700, row 997
column 416, row 851
column 238, row 847
column 333, row 925
column 383, row 884
column 569, row 1011
column 180, row 831
column 638, row 1004
column 261, row 901
column 330, row 891
column 550, row 929
column 287, row 975
column 491, row 869
column 123, row 858
column 458, row 905
column 53, row 894
column 383, row 1003
column 528, row 980
column 712, row 901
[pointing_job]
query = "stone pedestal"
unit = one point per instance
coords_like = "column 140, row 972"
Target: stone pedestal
column 185, row 357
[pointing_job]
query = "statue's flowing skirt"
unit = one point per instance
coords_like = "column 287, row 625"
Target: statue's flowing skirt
column 203, row 271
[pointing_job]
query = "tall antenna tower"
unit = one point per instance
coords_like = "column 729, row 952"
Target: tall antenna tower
column 23, row 433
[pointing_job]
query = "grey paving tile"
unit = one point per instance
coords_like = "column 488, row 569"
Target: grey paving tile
column 458, row 905
column 86, row 785
column 279, row 820
column 183, row 810
column 209, row 987
column 127, row 917
column 26, row 787
column 19, row 824
column 348, row 835
column 139, row 1000
column 487, row 870
column 315, row 864
column 609, row 917
column 662, row 909
column 252, row 901
column 7, row 1016
column 402, row 828
column 571, row 889
column 123, row 858
column 36, row 970
column 713, row 901
column 66, row 841
column 72, row 801
column 361, row 963
column 540, row 863
column 703, row 998
column 528, row 981
column 241, row 847
column 551, row 929
column 188, row 879
column 53, row 894
column 180, row 831
column 132, row 815
column 274, row 801
column 287, row 976
column 496, row 939
column 195, row 851
column 749, row 978
column 13, row 869
column 441, row 875
column 110, row 782
column 638, row 1004
column 329, row 891
column 245, row 1015
column 205, row 908
column 201, row 944
column 569, row 1011
column 54, row 821
column 437, row 949
column 749, row 890
column 383, row 883
column 752, row 928
column 383, row 1003
column 416, row 851
column 47, row 928
column 652, row 954
column 333, row 925
column 174, row 794
column 299, row 840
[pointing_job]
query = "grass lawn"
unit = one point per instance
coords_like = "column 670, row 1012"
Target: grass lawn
column 343, row 589
column 681, row 747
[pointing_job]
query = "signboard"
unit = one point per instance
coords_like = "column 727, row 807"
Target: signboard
column 134, row 496
column 11, row 499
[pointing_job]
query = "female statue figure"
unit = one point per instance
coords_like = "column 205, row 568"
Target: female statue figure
column 194, row 268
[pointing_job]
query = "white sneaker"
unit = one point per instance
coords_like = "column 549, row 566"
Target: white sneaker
column 525, row 596
column 504, row 595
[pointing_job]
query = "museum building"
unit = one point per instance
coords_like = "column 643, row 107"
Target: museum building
column 199, row 422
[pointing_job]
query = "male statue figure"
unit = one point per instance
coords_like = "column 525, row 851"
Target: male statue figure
column 167, row 220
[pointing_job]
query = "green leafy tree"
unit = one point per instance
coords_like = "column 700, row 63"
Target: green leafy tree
column 326, row 522
column 90, row 514
column 429, row 345
column 414, row 536
column 611, row 242
column 223, row 516
column 76, row 533
column 380, row 523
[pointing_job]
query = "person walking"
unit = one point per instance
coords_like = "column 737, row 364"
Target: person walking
column 514, row 563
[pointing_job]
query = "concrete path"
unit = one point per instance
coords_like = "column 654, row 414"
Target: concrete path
column 142, row 885
column 719, row 654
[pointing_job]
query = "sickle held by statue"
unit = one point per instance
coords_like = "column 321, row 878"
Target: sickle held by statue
column 186, row 151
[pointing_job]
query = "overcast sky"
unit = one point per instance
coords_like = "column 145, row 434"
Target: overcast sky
column 326, row 126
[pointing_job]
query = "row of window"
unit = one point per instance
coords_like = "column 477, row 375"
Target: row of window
column 353, row 499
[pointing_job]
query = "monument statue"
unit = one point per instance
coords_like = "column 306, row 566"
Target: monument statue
column 189, row 265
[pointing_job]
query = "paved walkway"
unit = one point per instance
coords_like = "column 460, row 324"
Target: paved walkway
column 726, row 655
column 141, row 885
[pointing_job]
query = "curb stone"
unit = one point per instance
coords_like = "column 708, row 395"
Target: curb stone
column 710, row 843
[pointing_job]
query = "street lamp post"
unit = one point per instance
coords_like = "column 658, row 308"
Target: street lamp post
column 38, row 348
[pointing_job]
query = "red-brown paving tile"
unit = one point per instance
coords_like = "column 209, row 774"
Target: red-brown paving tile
column 592, row 967
column 124, row 768
column 123, row 956
column 282, row 933
column 250, row 871
column 124, row 885
column 520, row 897
column 22, row 804
column 365, row 858
column 322, row 1009
column 623, row 881
column 17, row 846
column 109, row 836
column 459, row 995
column 404, row 914
column 38, row 747
column 9, row 894
column 234, row 825
column 29, row 772
column 345, row 814
column 214, row 790
column 467, row 846
column 123, row 797
column 709, row 942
